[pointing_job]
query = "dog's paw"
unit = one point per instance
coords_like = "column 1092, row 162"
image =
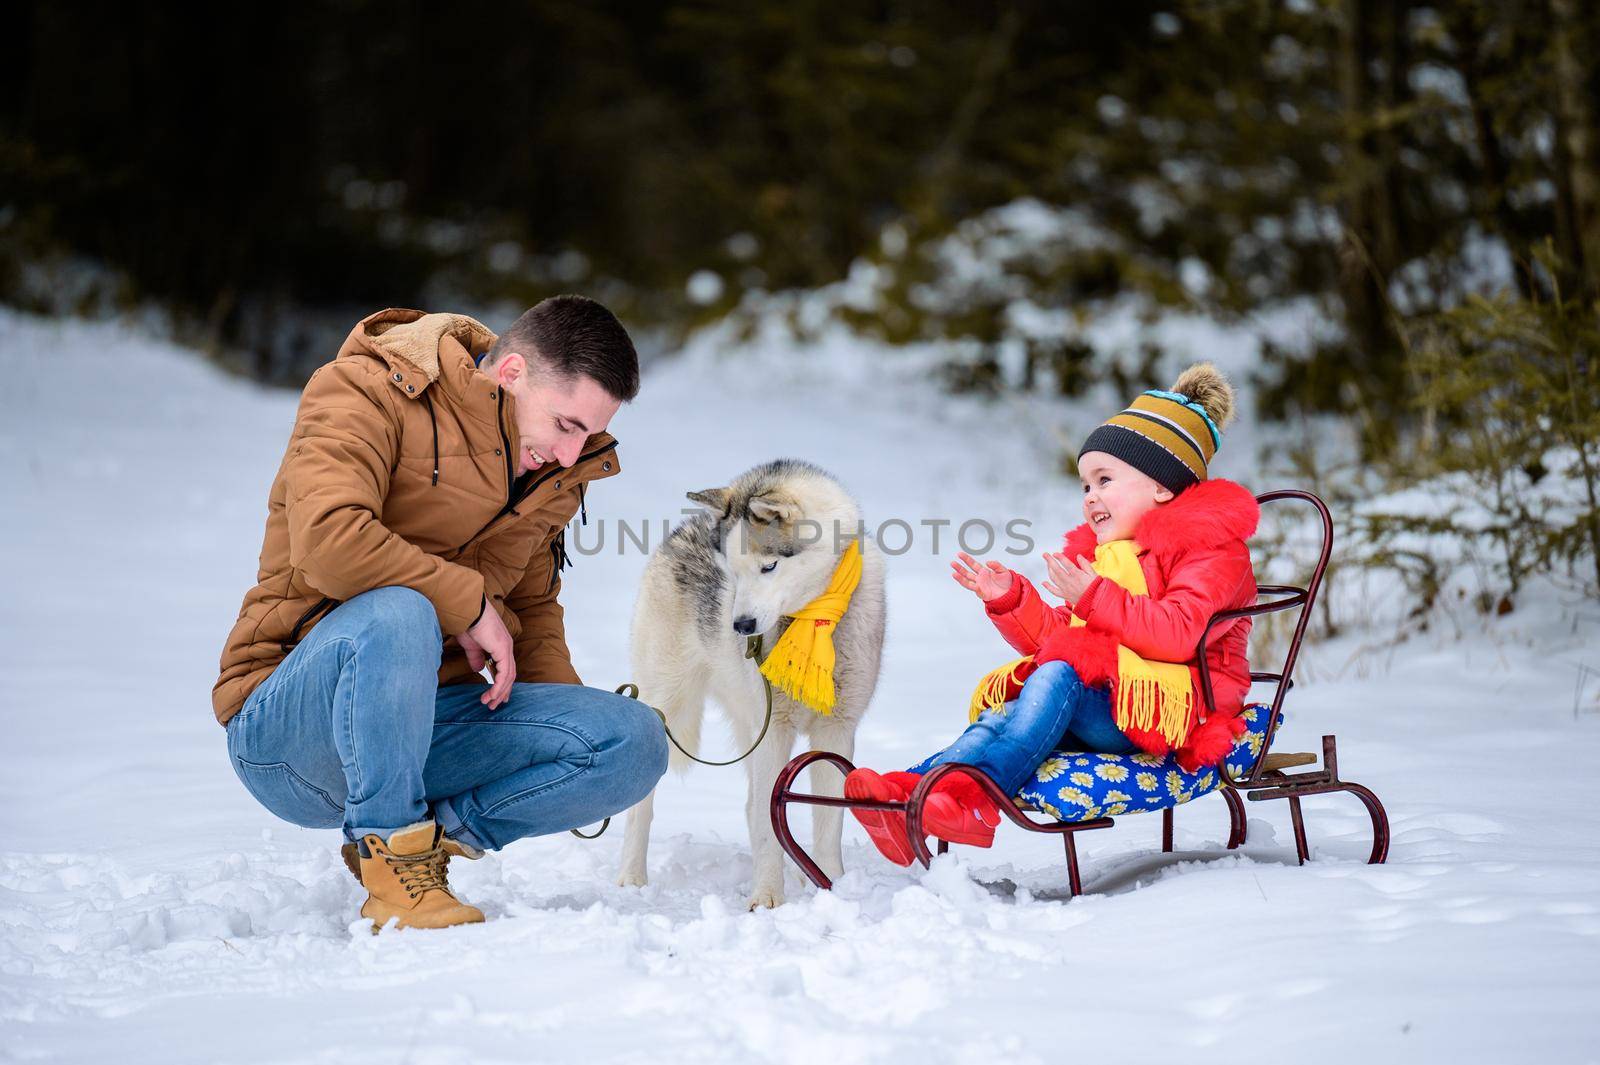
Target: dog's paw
column 766, row 898
column 632, row 878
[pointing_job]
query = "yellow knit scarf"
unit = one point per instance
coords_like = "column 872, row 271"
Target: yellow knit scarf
column 801, row 662
column 1149, row 696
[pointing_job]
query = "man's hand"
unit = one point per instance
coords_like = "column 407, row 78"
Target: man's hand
column 1069, row 578
column 988, row 580
column 489, row 641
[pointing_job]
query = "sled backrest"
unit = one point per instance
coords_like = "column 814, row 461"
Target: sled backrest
column 1279, row 597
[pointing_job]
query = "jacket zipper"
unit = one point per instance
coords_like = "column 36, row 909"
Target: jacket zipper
column 511, row 505
column 558, row 560
column 294, row 633
column 505, row 442
column 581, row 458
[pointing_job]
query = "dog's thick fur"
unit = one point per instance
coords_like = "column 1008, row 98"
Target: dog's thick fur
column 706, row 578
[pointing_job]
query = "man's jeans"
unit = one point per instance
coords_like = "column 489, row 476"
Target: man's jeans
column 1054, row 709
column 352, row 729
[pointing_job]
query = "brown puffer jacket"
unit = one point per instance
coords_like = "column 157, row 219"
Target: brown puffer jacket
column 399, row 472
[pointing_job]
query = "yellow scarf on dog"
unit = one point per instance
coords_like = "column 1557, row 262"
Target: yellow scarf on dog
column 801, row 663
column 1149, row 696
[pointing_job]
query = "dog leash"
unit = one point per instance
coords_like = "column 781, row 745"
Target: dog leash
column 752, row 650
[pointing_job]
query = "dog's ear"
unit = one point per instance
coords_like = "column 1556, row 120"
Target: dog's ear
column 713, row 499
column 772, row 509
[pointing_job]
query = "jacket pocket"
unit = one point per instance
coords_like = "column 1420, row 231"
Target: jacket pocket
column 288, row 642
column 288, row 795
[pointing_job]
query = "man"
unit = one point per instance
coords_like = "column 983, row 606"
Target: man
column 414, row 536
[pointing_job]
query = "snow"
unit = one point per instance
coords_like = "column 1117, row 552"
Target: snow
column 149, row 910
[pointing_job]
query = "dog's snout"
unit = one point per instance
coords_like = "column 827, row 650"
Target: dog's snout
column 745, row 626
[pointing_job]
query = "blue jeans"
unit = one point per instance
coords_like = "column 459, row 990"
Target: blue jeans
column 352, row 729
column 1055, row 709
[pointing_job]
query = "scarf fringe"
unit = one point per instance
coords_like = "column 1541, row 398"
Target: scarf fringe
column 1151, row 703
column 801, row 662
column 995, row 686
column 802, row 680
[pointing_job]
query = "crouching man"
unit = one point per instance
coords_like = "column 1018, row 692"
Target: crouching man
column 415, row 534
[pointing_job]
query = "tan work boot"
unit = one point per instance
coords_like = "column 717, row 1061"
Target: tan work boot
column 405, row 879
column 451, row 849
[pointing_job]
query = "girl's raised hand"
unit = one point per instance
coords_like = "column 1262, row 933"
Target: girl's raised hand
column 1069, row 578
column 989, row 580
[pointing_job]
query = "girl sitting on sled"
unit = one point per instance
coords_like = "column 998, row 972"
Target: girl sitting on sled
column 1161, row 550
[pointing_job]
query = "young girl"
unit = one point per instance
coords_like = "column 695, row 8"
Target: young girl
column 1161, row 550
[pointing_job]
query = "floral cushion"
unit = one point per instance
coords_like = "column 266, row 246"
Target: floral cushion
column 1079, row 786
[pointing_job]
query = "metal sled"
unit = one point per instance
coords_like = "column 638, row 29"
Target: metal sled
column 1266, row 777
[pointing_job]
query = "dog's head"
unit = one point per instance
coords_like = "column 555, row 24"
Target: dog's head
column 781, row 528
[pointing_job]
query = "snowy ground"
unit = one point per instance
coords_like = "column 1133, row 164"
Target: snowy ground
column 150, row 911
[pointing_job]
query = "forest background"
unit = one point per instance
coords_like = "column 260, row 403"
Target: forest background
column 985, row 179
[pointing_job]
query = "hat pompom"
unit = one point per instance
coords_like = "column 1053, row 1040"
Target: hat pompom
column 1204, row 384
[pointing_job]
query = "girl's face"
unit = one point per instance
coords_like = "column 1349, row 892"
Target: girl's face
column 1116, row 496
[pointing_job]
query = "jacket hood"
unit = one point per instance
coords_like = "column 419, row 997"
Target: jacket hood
column 413, row 338
column 1209, row 514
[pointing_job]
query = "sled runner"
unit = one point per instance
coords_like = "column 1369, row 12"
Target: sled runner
column 1080, row 792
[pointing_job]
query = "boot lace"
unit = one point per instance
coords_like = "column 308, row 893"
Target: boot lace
column 420, row 873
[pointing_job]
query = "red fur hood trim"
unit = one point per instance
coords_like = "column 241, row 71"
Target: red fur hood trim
column 1209, row 514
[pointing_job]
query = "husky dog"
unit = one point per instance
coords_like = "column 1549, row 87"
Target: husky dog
column 765, row 546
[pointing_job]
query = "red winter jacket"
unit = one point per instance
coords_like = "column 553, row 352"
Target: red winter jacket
column 1195, row 563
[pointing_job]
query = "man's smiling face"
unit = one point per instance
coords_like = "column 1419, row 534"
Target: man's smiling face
column 554, row 415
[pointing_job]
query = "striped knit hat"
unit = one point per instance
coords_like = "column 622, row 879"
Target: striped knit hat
column 1171, row 436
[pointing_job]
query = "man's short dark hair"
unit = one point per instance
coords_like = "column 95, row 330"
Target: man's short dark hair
column 574, row 335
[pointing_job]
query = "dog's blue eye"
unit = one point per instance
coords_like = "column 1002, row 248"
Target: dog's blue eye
column 769, row 567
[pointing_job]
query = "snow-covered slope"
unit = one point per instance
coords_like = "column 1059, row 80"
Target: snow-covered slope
column 149, row 910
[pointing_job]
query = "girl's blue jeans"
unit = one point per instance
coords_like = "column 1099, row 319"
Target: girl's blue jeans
column 1054, row 710
column 353, row 730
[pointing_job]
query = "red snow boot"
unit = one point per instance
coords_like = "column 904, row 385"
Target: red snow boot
column 959, row 811
column 886, row 828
